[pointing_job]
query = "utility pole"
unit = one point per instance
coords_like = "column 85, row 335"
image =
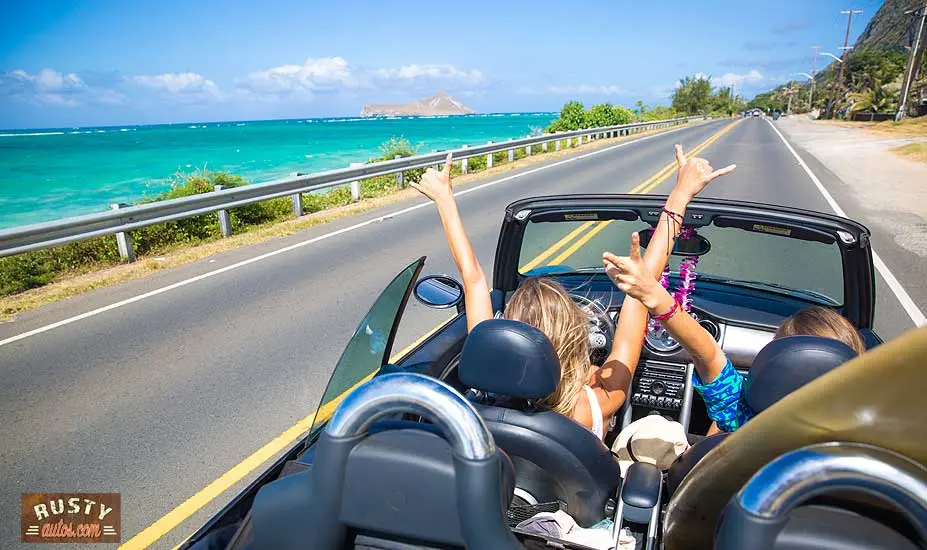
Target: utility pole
column 838, row 85
column 814, row 66
column 912, row 61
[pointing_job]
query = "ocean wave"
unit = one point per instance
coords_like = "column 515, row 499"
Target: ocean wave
column 240, row 124
column 32, row 134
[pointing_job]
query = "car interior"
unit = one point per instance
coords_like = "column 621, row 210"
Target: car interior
column 451, row 449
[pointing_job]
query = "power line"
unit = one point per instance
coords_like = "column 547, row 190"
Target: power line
column 912, row 60
column 838, row 85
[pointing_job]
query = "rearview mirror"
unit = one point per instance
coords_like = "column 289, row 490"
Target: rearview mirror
column 693, row 246
column 438, row 291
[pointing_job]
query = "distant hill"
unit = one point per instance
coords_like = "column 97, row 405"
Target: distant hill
column 889, row 27
column 438, row 104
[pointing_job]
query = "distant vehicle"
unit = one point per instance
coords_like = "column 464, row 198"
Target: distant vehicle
column 756, row 112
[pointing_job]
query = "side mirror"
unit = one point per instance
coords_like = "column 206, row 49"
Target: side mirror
column 693, row 246
column 438, row 291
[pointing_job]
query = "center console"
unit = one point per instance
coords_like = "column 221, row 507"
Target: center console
column 661, row 387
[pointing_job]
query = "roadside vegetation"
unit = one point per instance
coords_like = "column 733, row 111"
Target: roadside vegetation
column 32, row 270
column 912, row 151
column 871, row 84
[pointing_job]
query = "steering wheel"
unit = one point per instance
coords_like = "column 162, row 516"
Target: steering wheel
column 601, row 328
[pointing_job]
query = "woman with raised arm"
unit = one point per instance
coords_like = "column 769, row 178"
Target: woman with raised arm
column 587, row 393
column 715, row 378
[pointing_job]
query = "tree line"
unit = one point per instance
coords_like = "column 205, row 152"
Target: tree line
column 871, row 83
column 694, row 95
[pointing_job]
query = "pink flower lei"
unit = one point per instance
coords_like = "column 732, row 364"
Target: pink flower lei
column 687, row 275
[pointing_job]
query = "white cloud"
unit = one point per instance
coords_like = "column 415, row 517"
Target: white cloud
column 46, row 86
column 750, row 77
column 436, row 71
column 179, row 84
column 329, row 74
column 316, row 74
column 587, row 89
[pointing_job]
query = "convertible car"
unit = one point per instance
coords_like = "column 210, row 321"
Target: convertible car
column 447, row 448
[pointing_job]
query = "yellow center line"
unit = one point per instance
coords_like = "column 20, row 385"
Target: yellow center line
column 578, row 244
column 556, row 246
column 183, row 511
column 647, row 186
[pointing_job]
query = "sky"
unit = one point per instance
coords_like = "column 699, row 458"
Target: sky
column 102, row 62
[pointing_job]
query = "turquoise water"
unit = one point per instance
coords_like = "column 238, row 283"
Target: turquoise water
column 57, row 173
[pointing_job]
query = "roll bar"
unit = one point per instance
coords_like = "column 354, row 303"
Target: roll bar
column 415, row 393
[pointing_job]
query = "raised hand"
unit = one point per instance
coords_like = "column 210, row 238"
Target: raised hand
column 630, row 274
column 695, row 173
column 434, row 184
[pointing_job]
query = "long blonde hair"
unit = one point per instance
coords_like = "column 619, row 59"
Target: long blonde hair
column 544, row 304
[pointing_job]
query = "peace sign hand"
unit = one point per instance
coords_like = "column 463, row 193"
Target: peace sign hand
column 695, row 173
column 630, row 274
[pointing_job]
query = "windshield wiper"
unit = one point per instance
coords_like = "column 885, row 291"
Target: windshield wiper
column 789, row 291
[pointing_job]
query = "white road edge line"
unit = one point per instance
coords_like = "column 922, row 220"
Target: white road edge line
column 916, row 315
column 243, row 263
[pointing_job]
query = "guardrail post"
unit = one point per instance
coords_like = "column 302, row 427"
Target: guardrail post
column 528, row 151
column 464, row 165
column 297, row 204
column 511, row 153
column 355, row 185
column 399, row 181
column 489, row 159
column 124, row 240
column 225, row 220
column 544, row 147
column 557, row 145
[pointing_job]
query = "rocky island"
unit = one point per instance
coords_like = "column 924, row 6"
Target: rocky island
column 438, row 104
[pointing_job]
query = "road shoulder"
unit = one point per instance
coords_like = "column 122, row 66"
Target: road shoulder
column 874, row 186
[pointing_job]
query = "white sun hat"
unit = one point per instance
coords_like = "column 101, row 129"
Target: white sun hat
column 652, row 439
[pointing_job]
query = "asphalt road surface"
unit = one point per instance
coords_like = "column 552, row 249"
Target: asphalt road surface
column 161, row 396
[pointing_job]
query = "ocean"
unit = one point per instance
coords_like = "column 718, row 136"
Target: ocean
column 51, row 174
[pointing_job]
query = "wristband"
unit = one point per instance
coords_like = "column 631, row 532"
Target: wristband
column 672, row 311
column 675, row 215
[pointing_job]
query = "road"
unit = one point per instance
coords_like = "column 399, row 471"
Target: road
column 160, row 396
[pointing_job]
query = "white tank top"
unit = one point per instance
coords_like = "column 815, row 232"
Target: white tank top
column 596, row 412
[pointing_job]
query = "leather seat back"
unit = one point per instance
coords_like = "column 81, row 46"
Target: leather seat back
column 554, row 456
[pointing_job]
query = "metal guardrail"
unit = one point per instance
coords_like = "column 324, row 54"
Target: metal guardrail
column 121, row 219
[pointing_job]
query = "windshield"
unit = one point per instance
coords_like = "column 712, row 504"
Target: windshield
column 369, row 347
column 760, row 258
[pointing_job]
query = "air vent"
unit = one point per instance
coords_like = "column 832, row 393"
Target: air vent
column 711, row 327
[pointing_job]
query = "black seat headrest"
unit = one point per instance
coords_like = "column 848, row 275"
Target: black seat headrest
column 509, row 358
column 788, row 363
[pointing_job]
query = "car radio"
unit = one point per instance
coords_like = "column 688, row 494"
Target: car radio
column 659, row 385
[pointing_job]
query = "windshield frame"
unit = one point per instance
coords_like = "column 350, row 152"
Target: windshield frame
column 852, row 238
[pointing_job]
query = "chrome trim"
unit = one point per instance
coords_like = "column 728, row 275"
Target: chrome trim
column 415, row 393
column 799, row 475
column 654, row 518
column 522, row 214
column 616, row 523
column 685, row 410
column 525, row 496
column 715, row 330
column 741, row 344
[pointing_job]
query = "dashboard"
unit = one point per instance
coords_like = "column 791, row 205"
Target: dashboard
column 741, row 323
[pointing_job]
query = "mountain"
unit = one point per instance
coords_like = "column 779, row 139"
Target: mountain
column 438, row 104
column 889, row 27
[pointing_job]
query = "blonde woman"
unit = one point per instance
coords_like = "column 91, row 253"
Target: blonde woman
column 589, row 394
